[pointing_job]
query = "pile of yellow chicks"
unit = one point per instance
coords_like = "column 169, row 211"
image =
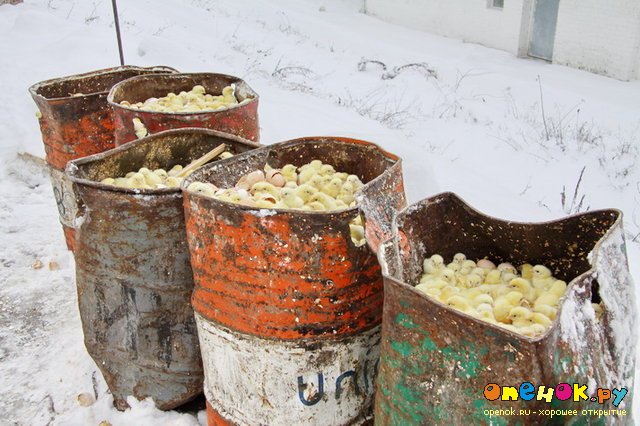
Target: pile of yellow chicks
column 312, row 187
column 146, row 178
column 195, row 100
column 525, row 303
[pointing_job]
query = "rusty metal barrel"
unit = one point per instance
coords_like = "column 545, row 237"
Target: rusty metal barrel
column 240, row 120
column 76, row 121
column 288, row 307
column 441, row 365
column 133, row 274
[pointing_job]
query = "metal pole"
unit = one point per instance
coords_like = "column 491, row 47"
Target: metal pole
column 115, row 19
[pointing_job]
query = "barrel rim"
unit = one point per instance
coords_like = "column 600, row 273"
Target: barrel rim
column 35, row 88
column 72, row 168
column 133, row 80
column 306, row 139
column 411, row 209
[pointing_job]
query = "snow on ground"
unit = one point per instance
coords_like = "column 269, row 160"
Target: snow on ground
column 508, row 135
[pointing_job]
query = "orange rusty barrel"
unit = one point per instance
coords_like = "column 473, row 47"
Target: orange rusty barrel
column 288, row 307
column 439, row 365
column 133, row 274
column 76, row 121
column 240, row 120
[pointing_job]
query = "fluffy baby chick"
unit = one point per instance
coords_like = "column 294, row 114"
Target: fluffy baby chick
column 520, row 317
column 533, row 330
column 546, row 310
column 150, row 177
column 333, row 188
column 357, row 234
column 265, row 188
column 460, row 303
column 306, row 191
column 558, row 288
column 541, row 319
column 108, row 181
column 448, row 291
column 459, row 258
column 468, row 264
column 328, row 202
column 503, row 305
column 291, row 199
column 493, row 277
column 161, row 173
column 289, row 173
column 521, row 285
column 327, row 170
column 526, row 271
column 542, row 277
column 173, row 182
column 203, row 188
column 138, row 181
column 139, row 129
column 175, row 170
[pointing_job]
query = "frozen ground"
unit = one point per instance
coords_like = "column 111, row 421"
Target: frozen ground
column 477, row 129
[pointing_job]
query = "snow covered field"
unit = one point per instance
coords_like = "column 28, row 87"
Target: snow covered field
column 508, row 135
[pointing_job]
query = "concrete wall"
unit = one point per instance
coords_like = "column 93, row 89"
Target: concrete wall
column 468, row 20
column 599, row 36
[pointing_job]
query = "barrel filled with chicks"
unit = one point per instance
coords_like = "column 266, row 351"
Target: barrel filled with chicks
column 282, row 266
column 475, row 305
column 144, row 106
column 75, row 121
column 133, row 273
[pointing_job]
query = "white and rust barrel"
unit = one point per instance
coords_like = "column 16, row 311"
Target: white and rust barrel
column 288, row 307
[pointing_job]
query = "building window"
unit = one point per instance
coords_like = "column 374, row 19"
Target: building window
column 496, row 4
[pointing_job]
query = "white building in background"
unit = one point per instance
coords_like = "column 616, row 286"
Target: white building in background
column 600, row 36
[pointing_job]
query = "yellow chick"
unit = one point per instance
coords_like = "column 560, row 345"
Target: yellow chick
column 333, row 188
column 459, row 303
column 316, row 206
column 598, row 309
column 173, row 182
column 139, row 129
column 265, row 188
column 493, row 277
column 482, row 299
column 305, row 175
column 520, row 317
column 542, row 277
column 447, row 292
column 521, row 285
column 305, row 192
column 228, row 93
column 459, row 258
column 289, row 173
column 533, row 330
column 150, row 177
column 203, row 188
column 161, row 173
column 328, row 202
column 448, row 275
column 455, row 267
column 558, row 288
column 138, row 181
column 546, row 310
column 541, row 319
column 357, row 234
column 290, row 199
column 505, row 266
column 108, row 181
column 198, row 90
column 327, row 170
column 503, row 305
column 468, row 264
column 175, row 170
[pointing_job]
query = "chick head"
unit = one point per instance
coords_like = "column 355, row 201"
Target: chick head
column 541, row 271
column 520, row 284
column 519, row 313
column 198, row 90
column 473, row 280
column 327, row 170
column 438, row 261
column 505, row 266
column 448, row 275
column 459, row 258
column 458, row 302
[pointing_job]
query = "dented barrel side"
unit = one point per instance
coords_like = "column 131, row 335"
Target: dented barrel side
column 436, row 362
column 288, row 307
column 76, row 121
column 240, row 120
column 133, row 272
